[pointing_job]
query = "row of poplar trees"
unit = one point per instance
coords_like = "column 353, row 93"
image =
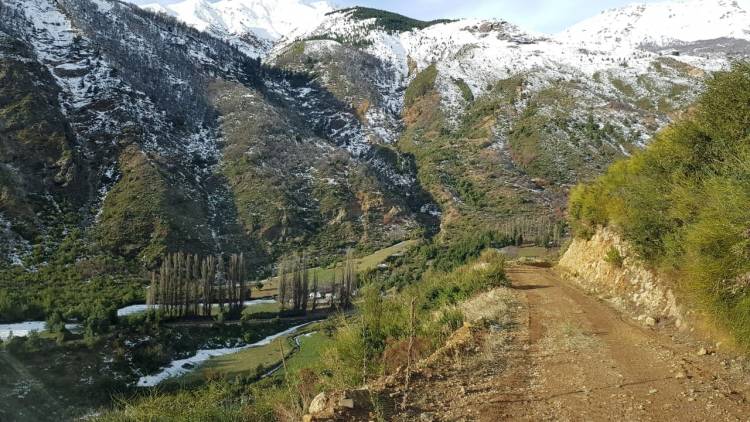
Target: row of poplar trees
column 298, row 289
column 189, row 285
column 542, row 231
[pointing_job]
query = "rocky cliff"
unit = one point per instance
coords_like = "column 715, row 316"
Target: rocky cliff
column 606, row 266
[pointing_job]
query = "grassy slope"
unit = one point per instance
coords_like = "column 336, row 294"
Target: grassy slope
column 247, row 362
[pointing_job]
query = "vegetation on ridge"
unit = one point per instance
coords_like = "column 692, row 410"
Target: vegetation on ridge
column 684, row 202
column 390, row 21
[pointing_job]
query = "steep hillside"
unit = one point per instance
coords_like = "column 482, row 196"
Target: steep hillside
column 513, row 118
column 500, row 121
column 252, row 25
column 140, row 135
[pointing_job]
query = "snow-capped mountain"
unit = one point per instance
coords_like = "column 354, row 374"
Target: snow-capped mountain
column 264, row 20
column 149, row 135
column 662, row 24
column 471, row 55
column 358, row 123
column 550, row 109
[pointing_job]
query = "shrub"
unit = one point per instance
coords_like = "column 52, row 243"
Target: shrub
column 368, row 344
column 614, row 257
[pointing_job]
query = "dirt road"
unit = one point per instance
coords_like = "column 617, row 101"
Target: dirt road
column 569, row 356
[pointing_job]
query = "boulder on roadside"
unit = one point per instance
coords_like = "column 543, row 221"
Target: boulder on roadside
column 319, row 407
column 340, row 405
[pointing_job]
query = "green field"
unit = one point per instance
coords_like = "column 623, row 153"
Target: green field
column 326, row 275
column 249, row 361
column 260, row 309
column 310, row 350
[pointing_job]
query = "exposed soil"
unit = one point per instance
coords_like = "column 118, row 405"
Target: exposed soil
column 564, row 355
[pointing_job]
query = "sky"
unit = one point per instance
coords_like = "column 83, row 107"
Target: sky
column 548, row 16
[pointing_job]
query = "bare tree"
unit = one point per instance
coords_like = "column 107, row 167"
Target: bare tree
column 314, row 290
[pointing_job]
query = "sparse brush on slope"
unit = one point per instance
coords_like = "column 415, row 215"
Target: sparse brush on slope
column 358, row 348
column 684, row 203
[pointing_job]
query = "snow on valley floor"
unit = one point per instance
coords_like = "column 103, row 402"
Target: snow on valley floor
column 138, row 308
column 22, row 329
column 183, row 366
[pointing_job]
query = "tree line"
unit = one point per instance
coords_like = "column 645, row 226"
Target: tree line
column 189, row 285
column 299, row 287
column 543, row 231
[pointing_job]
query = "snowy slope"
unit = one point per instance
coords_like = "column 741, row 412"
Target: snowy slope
column 140, row 98
column 664, row 23
column 584, row 103
column 482, row 52
column 266, row 20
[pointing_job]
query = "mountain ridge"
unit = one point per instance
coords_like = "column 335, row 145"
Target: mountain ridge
column 255, row 24
column 661, row 24
column 368, row 129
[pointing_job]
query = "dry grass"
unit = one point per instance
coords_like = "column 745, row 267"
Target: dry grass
column 494, row 306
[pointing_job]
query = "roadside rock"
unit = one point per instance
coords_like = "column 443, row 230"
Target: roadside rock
column 319, row 406
column 338, row 405
column 629, row 286
column 347, row 403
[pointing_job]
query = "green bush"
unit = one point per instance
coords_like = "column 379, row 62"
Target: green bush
column 614, row 257
column 213, row 403
column 684, row 202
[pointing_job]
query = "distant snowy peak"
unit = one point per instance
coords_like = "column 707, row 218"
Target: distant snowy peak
column 664, row 23
column 267, row 20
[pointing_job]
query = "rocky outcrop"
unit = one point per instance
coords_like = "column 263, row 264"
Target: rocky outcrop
column 607, row 266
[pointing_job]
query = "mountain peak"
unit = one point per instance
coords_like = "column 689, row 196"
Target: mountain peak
column 664, row 23
column 267, row 20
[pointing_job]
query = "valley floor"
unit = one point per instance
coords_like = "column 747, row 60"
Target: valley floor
column 568, row 356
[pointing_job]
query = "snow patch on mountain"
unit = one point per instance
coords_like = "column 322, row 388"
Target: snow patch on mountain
column 263, row 21
column 663, row 23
